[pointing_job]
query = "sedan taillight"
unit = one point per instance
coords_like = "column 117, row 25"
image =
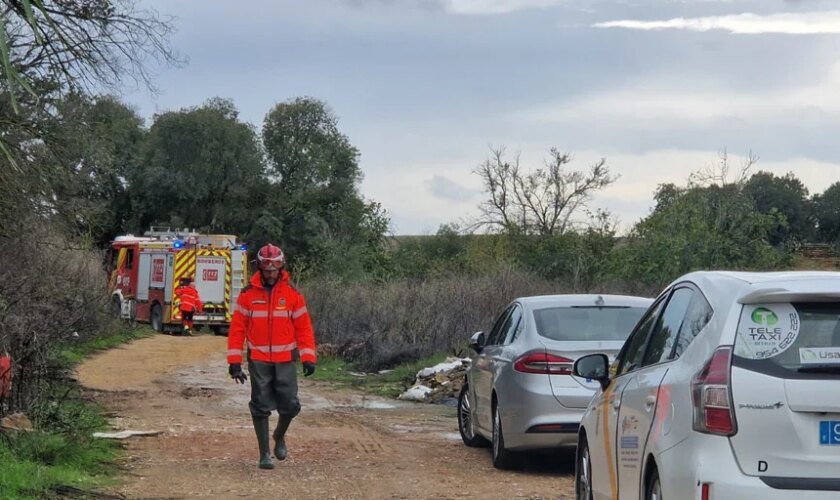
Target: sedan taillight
column 542, row 362
column 712, row 395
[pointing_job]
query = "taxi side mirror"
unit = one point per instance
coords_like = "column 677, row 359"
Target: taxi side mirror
column 593, row 367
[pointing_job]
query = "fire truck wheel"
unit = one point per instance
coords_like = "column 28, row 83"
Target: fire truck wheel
column 157, row 318
column 116, row 307
column 221, row 331
column 132, row 314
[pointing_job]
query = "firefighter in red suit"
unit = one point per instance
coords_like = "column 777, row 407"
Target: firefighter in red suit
column 189, row 303
column 271, row 319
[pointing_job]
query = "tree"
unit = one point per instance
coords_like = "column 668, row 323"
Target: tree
column 787, row 196
column 81, row 44
column 543, row 201
column 313, row 204
column 828, row 214
column 666, row 195
column 202, row 168
column 712, row 227
column 94, row 144
column 52, row 48
column 720, row 173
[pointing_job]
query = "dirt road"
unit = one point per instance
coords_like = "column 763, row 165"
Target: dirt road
column 343, row 445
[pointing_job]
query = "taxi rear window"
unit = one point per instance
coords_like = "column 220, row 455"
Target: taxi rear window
column 793, row 340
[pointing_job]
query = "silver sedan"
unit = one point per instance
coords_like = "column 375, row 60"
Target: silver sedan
column 520, row 393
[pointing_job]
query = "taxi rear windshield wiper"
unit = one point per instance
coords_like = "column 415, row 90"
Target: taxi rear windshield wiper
column 820, row 369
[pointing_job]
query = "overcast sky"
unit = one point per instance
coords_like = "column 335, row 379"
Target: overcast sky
column 424, row 87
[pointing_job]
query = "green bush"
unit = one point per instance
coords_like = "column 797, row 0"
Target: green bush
column 699, row 228
column 578, row 259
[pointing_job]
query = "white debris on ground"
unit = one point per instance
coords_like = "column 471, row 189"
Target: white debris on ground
column 440, row 383
column 446, row 366
column 124, row 434
column 416, row 393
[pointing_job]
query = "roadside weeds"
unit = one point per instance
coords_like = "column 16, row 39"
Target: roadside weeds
column 60, row 458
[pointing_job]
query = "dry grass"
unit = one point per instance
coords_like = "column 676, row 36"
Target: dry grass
column 50, row 294
column 384, row 325
column 816, row 263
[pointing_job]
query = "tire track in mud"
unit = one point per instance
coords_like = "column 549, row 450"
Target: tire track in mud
column 341, row 446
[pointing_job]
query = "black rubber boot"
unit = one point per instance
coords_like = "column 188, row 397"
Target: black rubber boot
column 261, row 428
column 280, row 450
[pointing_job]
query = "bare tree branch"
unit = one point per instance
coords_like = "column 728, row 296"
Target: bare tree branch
column 498, row 176
column 543, row 201
column 88, row 45
column 719, row 174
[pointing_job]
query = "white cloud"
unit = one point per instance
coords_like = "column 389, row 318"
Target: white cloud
column 404, row 191
column 496, row 6
column 446, row 189
column 662, row 100
column 801, row 23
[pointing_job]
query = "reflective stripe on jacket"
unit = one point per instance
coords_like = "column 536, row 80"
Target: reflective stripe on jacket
column 188, row 299
column 273, row 322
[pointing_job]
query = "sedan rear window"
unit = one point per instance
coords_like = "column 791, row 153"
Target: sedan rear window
column 790, row 340
column 587, row 323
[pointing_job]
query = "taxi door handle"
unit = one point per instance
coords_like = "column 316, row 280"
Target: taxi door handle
column 616, row 404
column 650, row 401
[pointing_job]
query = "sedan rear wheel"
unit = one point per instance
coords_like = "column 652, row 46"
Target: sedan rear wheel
column 466, row 424
column 502, row 457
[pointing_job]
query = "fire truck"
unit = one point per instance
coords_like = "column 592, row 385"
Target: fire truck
column 148, row 268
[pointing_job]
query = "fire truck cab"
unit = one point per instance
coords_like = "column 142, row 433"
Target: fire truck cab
column 148, row 268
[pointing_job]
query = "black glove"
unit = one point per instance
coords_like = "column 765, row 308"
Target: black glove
column 236, row 373
column 308, row 368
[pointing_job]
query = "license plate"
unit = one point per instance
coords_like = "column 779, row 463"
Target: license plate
column 830, row 432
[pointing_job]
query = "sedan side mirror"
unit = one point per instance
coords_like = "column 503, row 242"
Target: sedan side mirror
column 477, row 342
column 593, row 367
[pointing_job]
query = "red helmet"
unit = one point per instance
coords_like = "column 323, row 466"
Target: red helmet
column 271, row 257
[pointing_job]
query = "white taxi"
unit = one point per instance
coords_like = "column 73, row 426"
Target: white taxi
column 728, row 388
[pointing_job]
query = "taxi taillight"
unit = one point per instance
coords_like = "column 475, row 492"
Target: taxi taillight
column 711, row 392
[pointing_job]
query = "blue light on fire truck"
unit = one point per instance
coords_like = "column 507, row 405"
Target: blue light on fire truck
column 178, row 244
column 243, row 247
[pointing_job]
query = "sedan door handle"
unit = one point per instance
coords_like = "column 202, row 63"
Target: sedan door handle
column 616, row 404
column 650, row 401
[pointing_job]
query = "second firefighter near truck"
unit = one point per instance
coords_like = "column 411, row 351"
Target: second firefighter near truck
column 189, row 303
column 270, row 317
